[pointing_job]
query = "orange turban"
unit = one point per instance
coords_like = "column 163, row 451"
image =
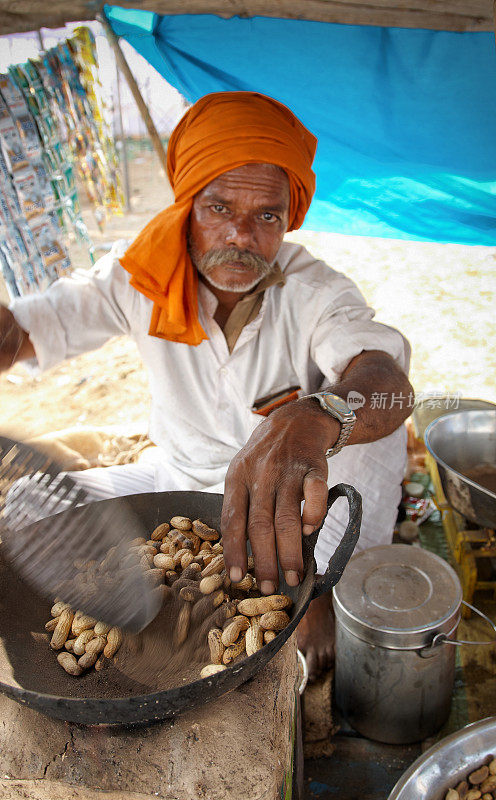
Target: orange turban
column 220, row 132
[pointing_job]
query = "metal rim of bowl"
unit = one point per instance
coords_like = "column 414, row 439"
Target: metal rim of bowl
column 431, row 756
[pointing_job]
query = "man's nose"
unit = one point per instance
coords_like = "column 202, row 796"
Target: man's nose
column 240, row 233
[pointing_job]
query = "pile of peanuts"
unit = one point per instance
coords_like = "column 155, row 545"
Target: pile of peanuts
column 480, row 784
column 86, row 641
column 183, row 559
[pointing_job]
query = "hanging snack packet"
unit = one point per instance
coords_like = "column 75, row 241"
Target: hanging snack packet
column 12, row 95
column 48, row 243
column 29, row 136
column 12, row 148
column 28, row 192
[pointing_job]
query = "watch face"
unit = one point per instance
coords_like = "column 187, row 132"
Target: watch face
column 337, row 403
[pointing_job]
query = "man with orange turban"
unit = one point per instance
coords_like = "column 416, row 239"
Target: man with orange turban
column 232, row 322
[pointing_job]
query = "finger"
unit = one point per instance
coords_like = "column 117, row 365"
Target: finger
column 263, row 542
column 233, row 526
column 315, row 496
column 288, row 533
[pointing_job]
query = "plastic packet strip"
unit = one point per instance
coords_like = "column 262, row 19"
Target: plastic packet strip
column 29, row 192
column 8, row 277
column 12, row 148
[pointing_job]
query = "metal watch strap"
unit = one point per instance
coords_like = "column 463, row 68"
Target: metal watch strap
column 347, row 425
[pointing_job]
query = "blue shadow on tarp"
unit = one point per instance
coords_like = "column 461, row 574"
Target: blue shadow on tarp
column 406, row 119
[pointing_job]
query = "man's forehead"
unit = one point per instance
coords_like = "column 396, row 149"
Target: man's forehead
column 264, row 177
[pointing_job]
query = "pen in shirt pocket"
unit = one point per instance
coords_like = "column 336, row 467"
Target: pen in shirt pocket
column 264, row 405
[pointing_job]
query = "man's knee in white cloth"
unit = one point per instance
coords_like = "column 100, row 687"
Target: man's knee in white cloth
column 376, row 470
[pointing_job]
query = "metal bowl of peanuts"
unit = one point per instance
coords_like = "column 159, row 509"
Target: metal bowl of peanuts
column 461, row 766
column 208, row 638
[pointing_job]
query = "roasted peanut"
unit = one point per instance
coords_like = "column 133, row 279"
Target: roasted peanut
column 181, row 523
column 260, row 605
column 269, row 636
column 68, row 662
column 245, row 584
column 215, row 645
column 473, row 794
column 274, row 620
column 192, row 572
column 96, row 645
column 160, row 531
column 82, row 623
column 187, row 559
column 163, row 561
column 214, row 567
column 254, row 638
column 218, row 598
column 87, row 660
column 171, row 576
column 100, row 663
column 165, row 547
column 206, row 547
column 462, row 789
column 51, row 624
column 182, row 625
column 452, row 794
column 492, row 766
column 211, row 669
column 211, row 583
column 190, row 593
column 101, row 628
column 57, row 608
column 69, row 645
column 234, row 650
column 204, row 532
column 489, row 784
column 217, row 548
column 114, row 641
column 82, row 640
column 62, row 629
column 178, row 556
column 155, row 576
column 478, row 775
column 233, row 629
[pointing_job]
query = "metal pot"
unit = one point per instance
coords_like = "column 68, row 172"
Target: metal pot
column 26, row 668
column 448, row 762
column 395, row 609
column 459, row 442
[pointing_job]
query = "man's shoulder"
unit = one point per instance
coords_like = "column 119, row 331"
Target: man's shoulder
column 299, row 265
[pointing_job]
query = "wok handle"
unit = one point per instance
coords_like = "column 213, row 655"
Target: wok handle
column 345, row 548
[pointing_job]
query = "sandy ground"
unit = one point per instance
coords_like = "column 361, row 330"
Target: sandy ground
column 442, row 297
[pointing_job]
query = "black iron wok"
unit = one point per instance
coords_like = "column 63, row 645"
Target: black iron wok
column 24, row 645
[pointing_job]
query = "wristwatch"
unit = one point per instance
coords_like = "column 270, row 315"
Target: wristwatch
column 340, row 410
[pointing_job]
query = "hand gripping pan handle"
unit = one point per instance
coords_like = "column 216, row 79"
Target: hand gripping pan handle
column 344, row 550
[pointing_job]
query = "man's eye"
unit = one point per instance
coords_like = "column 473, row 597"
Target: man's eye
column 217, row 208
column 268, row 217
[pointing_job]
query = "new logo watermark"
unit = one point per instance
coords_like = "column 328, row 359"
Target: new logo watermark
column 355, row 400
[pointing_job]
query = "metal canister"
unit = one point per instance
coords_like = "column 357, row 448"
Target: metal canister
column 395, row 607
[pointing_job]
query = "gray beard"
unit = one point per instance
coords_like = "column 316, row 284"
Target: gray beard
column 206, row 263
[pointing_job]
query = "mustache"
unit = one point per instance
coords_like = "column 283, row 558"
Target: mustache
column 229, row 255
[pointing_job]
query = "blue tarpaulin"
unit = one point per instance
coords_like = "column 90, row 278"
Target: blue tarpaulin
column 406, row 119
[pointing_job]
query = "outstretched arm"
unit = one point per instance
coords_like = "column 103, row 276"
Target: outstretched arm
column 284, row 463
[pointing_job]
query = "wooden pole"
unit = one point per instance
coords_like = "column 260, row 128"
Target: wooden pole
column 124, row 158
column 131, row 81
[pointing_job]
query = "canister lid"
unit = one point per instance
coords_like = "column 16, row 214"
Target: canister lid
column 398, row 596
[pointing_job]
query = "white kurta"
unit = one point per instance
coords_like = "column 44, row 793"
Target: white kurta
column 305, row 334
